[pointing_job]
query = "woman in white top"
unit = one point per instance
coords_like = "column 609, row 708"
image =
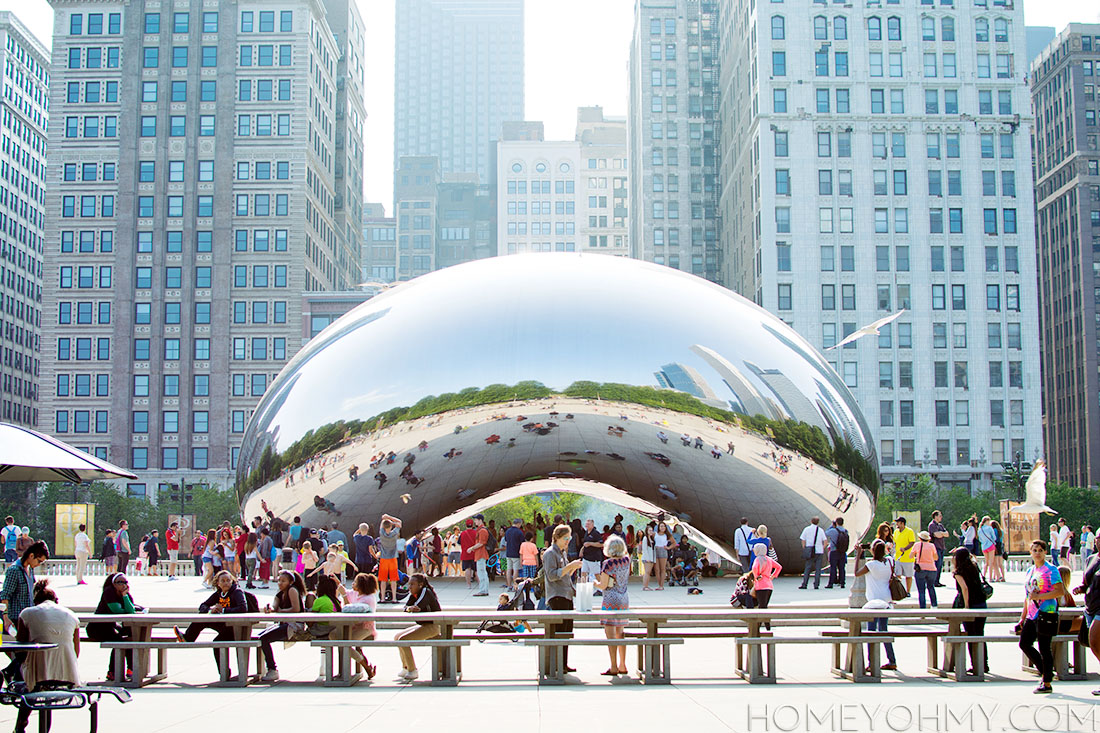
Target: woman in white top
column 661, row 541
column 47, row 622
column 83, row 550
column 649, row 554
column 878, row 571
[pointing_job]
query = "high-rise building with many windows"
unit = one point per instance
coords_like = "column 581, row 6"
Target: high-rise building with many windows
column 207, row 161
column 23, row 109
column 876, row 158
column 673, row 136
column 458, row 78
column 1065, row 94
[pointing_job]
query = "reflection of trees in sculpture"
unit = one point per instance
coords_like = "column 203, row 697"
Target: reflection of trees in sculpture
column 794, row 435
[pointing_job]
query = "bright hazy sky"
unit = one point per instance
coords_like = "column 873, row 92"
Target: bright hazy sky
column 586, row 42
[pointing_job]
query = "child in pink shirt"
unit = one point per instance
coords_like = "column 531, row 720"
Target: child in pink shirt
column 529, row 556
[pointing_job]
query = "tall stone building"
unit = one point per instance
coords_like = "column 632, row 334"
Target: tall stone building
column 458, row 78
column 1065, row 94
column 877, row 158
column 22, row 217
column 673, row 136
column 216, row 159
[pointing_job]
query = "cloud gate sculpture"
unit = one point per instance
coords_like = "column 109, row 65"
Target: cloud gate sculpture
column 620, row 379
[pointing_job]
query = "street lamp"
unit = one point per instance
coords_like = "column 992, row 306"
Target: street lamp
column 1016, row 472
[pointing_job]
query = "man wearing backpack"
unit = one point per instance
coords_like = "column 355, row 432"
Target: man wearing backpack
column 838, row 552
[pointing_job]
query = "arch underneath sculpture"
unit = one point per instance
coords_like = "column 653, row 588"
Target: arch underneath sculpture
column 596, row 490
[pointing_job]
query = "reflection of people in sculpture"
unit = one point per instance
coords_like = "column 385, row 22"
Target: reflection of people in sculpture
column 381, row 479
column 353, row 473
column 452, row 453
column 715, row 452
column 730, row 447
column 325, row 505
column 685, row 439
column 492, row 439
column 423, row 446
column 698, row 442
column 661, row 436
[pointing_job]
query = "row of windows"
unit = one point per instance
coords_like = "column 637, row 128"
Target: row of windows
column 85, row 241
column 943, row 455
column 81, row 385
column 261, row 311
column 942, row 370
column 89, row 172
column 262, row 240
column 93, row 57
column 264, row 54
column 519, row 208
column 94, row 92
column 839, row 27
column 537, row 187
column 937, row 146
column 173, row 277
column 939, row 297
column 89, row 126
column 263, row 90
column 172, row 349
column 169, row 459
column 177, row 125
column 171, row 382
column 150, row 91
column 81, row 349
column 943, row 413
column 181, row 22
column 85, row 311
column 95, row 24
column 263, row 125
column 894, row 66
column 261, row 170
column 938, row 262
column 82, row 421
column 1013, row 338
column 85, row 276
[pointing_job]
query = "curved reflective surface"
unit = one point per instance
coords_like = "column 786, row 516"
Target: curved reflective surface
column 633, row 382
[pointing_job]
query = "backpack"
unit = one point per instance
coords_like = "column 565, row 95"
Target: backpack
column 491, row 545
column 252, row 602
column 841, row 540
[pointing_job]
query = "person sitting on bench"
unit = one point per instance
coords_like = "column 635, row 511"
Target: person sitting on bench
column 227, row 598
column 48, row 622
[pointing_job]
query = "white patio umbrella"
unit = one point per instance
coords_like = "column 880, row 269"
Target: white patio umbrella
column 27, row 455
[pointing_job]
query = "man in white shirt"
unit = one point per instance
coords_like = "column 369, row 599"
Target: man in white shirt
column 1063, row 541
column 741, row 537
column 83, row 549
column 813, row 551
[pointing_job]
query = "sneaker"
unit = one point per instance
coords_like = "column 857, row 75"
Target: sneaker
column 82, row 582
column 401, row 674
column 179, row 634
column 411, row 675
column 598, row 593
column 1096, row 692
column 889, row 665
column 271, row 675
column 1043, row 689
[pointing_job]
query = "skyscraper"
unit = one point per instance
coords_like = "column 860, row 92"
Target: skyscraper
column 876, row 157
column 22, row 217
column 1064, row 90
column 673, row 136
column 458, row 77
column 202, row 191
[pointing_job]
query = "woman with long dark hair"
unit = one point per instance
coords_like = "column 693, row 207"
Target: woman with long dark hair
column 115, row 599
column 291, row 598
column 968, row 580
column 421, row 599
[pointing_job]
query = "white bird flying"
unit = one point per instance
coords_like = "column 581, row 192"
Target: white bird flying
column 1035, row 492
column 868, row 330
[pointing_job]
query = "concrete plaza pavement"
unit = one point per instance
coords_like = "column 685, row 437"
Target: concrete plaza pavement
column 499, row 687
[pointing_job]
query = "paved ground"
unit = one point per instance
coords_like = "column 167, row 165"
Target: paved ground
column 498, row 688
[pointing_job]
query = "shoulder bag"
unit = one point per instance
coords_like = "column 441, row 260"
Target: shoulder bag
column 897, row 586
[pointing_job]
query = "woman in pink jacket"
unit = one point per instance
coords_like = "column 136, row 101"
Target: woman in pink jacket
column 764, row 569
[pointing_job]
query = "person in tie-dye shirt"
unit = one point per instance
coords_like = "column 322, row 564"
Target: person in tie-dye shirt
column 1039, row 616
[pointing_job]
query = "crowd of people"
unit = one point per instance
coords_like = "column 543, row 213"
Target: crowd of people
column 325, row 571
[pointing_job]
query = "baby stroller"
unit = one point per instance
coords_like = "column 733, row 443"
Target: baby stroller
column 523, row 598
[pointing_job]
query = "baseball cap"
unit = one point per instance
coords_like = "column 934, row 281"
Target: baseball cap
column 469, row 523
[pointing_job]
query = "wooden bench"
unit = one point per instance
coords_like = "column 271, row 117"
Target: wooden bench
column 243, row 647
column 446, row 670
column 655, row 667
column 756, row 673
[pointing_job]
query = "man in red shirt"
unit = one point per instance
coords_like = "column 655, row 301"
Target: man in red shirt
column 172, row 541
column 466, row 540
column 480, row 550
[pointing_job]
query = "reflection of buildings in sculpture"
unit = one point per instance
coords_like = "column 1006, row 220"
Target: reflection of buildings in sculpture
column 683, row 378
column 796, row 405
column 748, row 400
column 840, row 419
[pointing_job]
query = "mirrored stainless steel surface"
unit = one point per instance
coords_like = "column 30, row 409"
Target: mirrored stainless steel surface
column 629, row 381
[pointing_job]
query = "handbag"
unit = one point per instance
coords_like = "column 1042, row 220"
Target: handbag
column 810, row 551
column 897, row 587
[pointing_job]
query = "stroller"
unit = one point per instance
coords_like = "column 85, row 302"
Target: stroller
column 522, row 599
column 492, row 565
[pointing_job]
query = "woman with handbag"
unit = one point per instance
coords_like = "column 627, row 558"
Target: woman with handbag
column 972, row 594
column 879, row 571
column 1039, row 616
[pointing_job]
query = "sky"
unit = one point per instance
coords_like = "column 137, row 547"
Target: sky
column 584, row 42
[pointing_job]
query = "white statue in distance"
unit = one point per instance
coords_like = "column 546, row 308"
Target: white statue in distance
column 1035, row 492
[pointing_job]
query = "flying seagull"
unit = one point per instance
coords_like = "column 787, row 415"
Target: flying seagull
column 868, row 330
column 1035, row 492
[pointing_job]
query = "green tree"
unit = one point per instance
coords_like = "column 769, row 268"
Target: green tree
column 567, row 504
column 522, row 507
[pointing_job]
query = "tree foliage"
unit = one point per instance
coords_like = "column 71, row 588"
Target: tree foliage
column 210, row 504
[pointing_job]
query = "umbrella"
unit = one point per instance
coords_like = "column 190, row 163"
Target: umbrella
column 27, row 455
